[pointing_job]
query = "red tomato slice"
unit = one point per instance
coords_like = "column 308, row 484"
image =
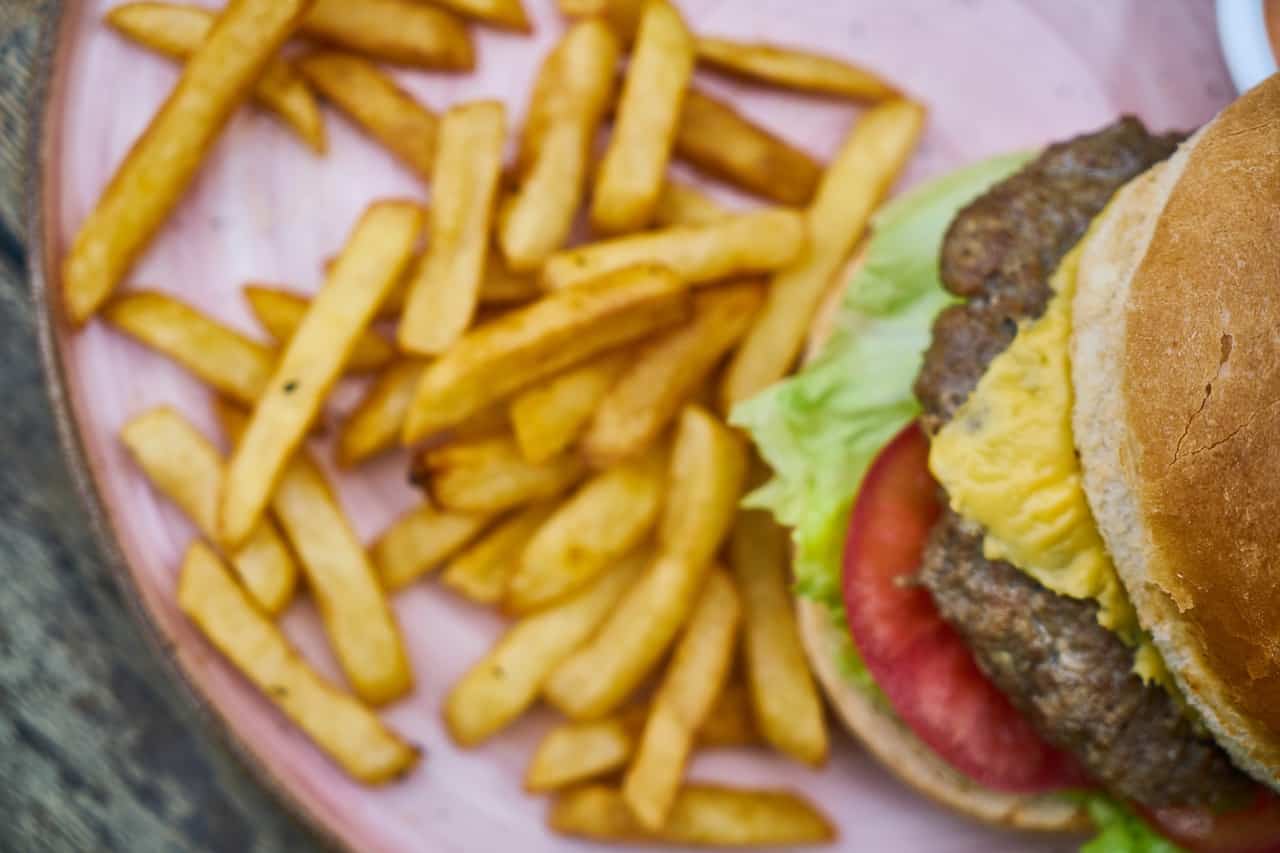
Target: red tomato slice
column 921, row 663
column 1255, row 829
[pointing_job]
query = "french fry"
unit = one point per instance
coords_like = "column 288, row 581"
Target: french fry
column 791, row 68
column 420, row 541
column 373, row 101
column 186, row 468
column 375, row 256
column 701, row 815
column 350, row 733
column 623, row 16
column 787, row 708
column 445, row 288
column 500, row 288
column 482, row 571
column 548, row 417
column 757, row 242
column 573, row 753
column 221, row 357
column 280, row 312
column 490, row 475
column 685, row 698
column 397, row 31
column 499, row 688
column 178, row 31
column 507, row 14
column 634, row 164
column 681, row 204
column 863, row 171
column 157, row 170
column 708, row 471
column 668, row 371
column 730, row 722
column 376, row 423
column 604, row 520
column 569, row 101
column 596, row 679
column 357, row 617
column 519, row 348
column 720, row 141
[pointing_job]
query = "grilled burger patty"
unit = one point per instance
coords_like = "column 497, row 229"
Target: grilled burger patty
column 1072, row 677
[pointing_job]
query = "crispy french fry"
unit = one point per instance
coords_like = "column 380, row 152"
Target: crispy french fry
column 501, row 357
column 357, row 617
column 708, row 471
column 863, row 171
column 375, row 256
column 500, row 288
column 398, row 31
column 604, row 520
column 757, row 242
column 178, row 31
column 720, row 141
column 482, row 571
column 225, row 359
column 793, row 69
column 421, row 540
column 569, row 101
column 730, row 722
column 698, row 671
column 490, row 475
column 632, row 171
column 280, row 312
column 681, row 204
column 507, row 14
column 350, row 733
column 623, row 16
column 573, row 753
column 601, row 675
column 549, row 417
column 499, row 688
column 185, row 466
column 668, row 371
column 376, row 423
column 787, row 707
column 372, row 100
column 445, row 288
column 701, row 815
column 157, row 170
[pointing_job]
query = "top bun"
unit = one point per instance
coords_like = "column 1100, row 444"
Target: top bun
column 1176, row 368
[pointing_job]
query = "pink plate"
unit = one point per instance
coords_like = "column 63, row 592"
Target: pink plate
column 997, row 75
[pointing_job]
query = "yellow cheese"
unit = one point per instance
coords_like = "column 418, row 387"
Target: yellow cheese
column 1008, row 461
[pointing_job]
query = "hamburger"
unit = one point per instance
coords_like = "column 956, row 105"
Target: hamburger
column 1032, row 475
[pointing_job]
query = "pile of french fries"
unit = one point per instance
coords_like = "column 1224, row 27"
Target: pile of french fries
column 564, row 403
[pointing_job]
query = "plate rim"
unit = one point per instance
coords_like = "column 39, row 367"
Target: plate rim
column 42, row 204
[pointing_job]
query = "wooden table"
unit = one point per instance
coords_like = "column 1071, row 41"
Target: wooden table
column 98, row 750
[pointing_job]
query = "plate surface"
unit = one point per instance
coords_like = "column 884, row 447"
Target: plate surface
column 996, row 74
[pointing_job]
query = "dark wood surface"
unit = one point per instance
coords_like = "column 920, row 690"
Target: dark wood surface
column 99, row 749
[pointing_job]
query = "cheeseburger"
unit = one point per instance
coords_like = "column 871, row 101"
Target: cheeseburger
column 1033, row 475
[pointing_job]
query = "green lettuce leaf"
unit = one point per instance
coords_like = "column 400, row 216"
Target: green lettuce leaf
column 820, row 429
column 1120, row 830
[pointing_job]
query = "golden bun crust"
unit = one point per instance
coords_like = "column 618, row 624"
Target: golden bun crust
column 1176, row 367
column 886, row 737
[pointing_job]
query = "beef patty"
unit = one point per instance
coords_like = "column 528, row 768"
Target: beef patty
column 1072, row 677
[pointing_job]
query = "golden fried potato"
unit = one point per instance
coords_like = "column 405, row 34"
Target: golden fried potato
column 792, row 68
column 178, row 31
column 160, row 165
column 375, row 257
column 549, row 417
column 490, row 475
column 421, row 540
column 350, row 733
column 681, row 204
column 281, row 311
column 708, row 471
column 397, row 31
column 376, row 423
column 863, row 171
column 481, row 572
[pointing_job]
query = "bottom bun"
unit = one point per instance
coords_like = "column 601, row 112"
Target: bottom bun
column 890, row 741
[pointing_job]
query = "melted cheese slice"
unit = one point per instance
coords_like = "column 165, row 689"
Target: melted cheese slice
column 1008, row 461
